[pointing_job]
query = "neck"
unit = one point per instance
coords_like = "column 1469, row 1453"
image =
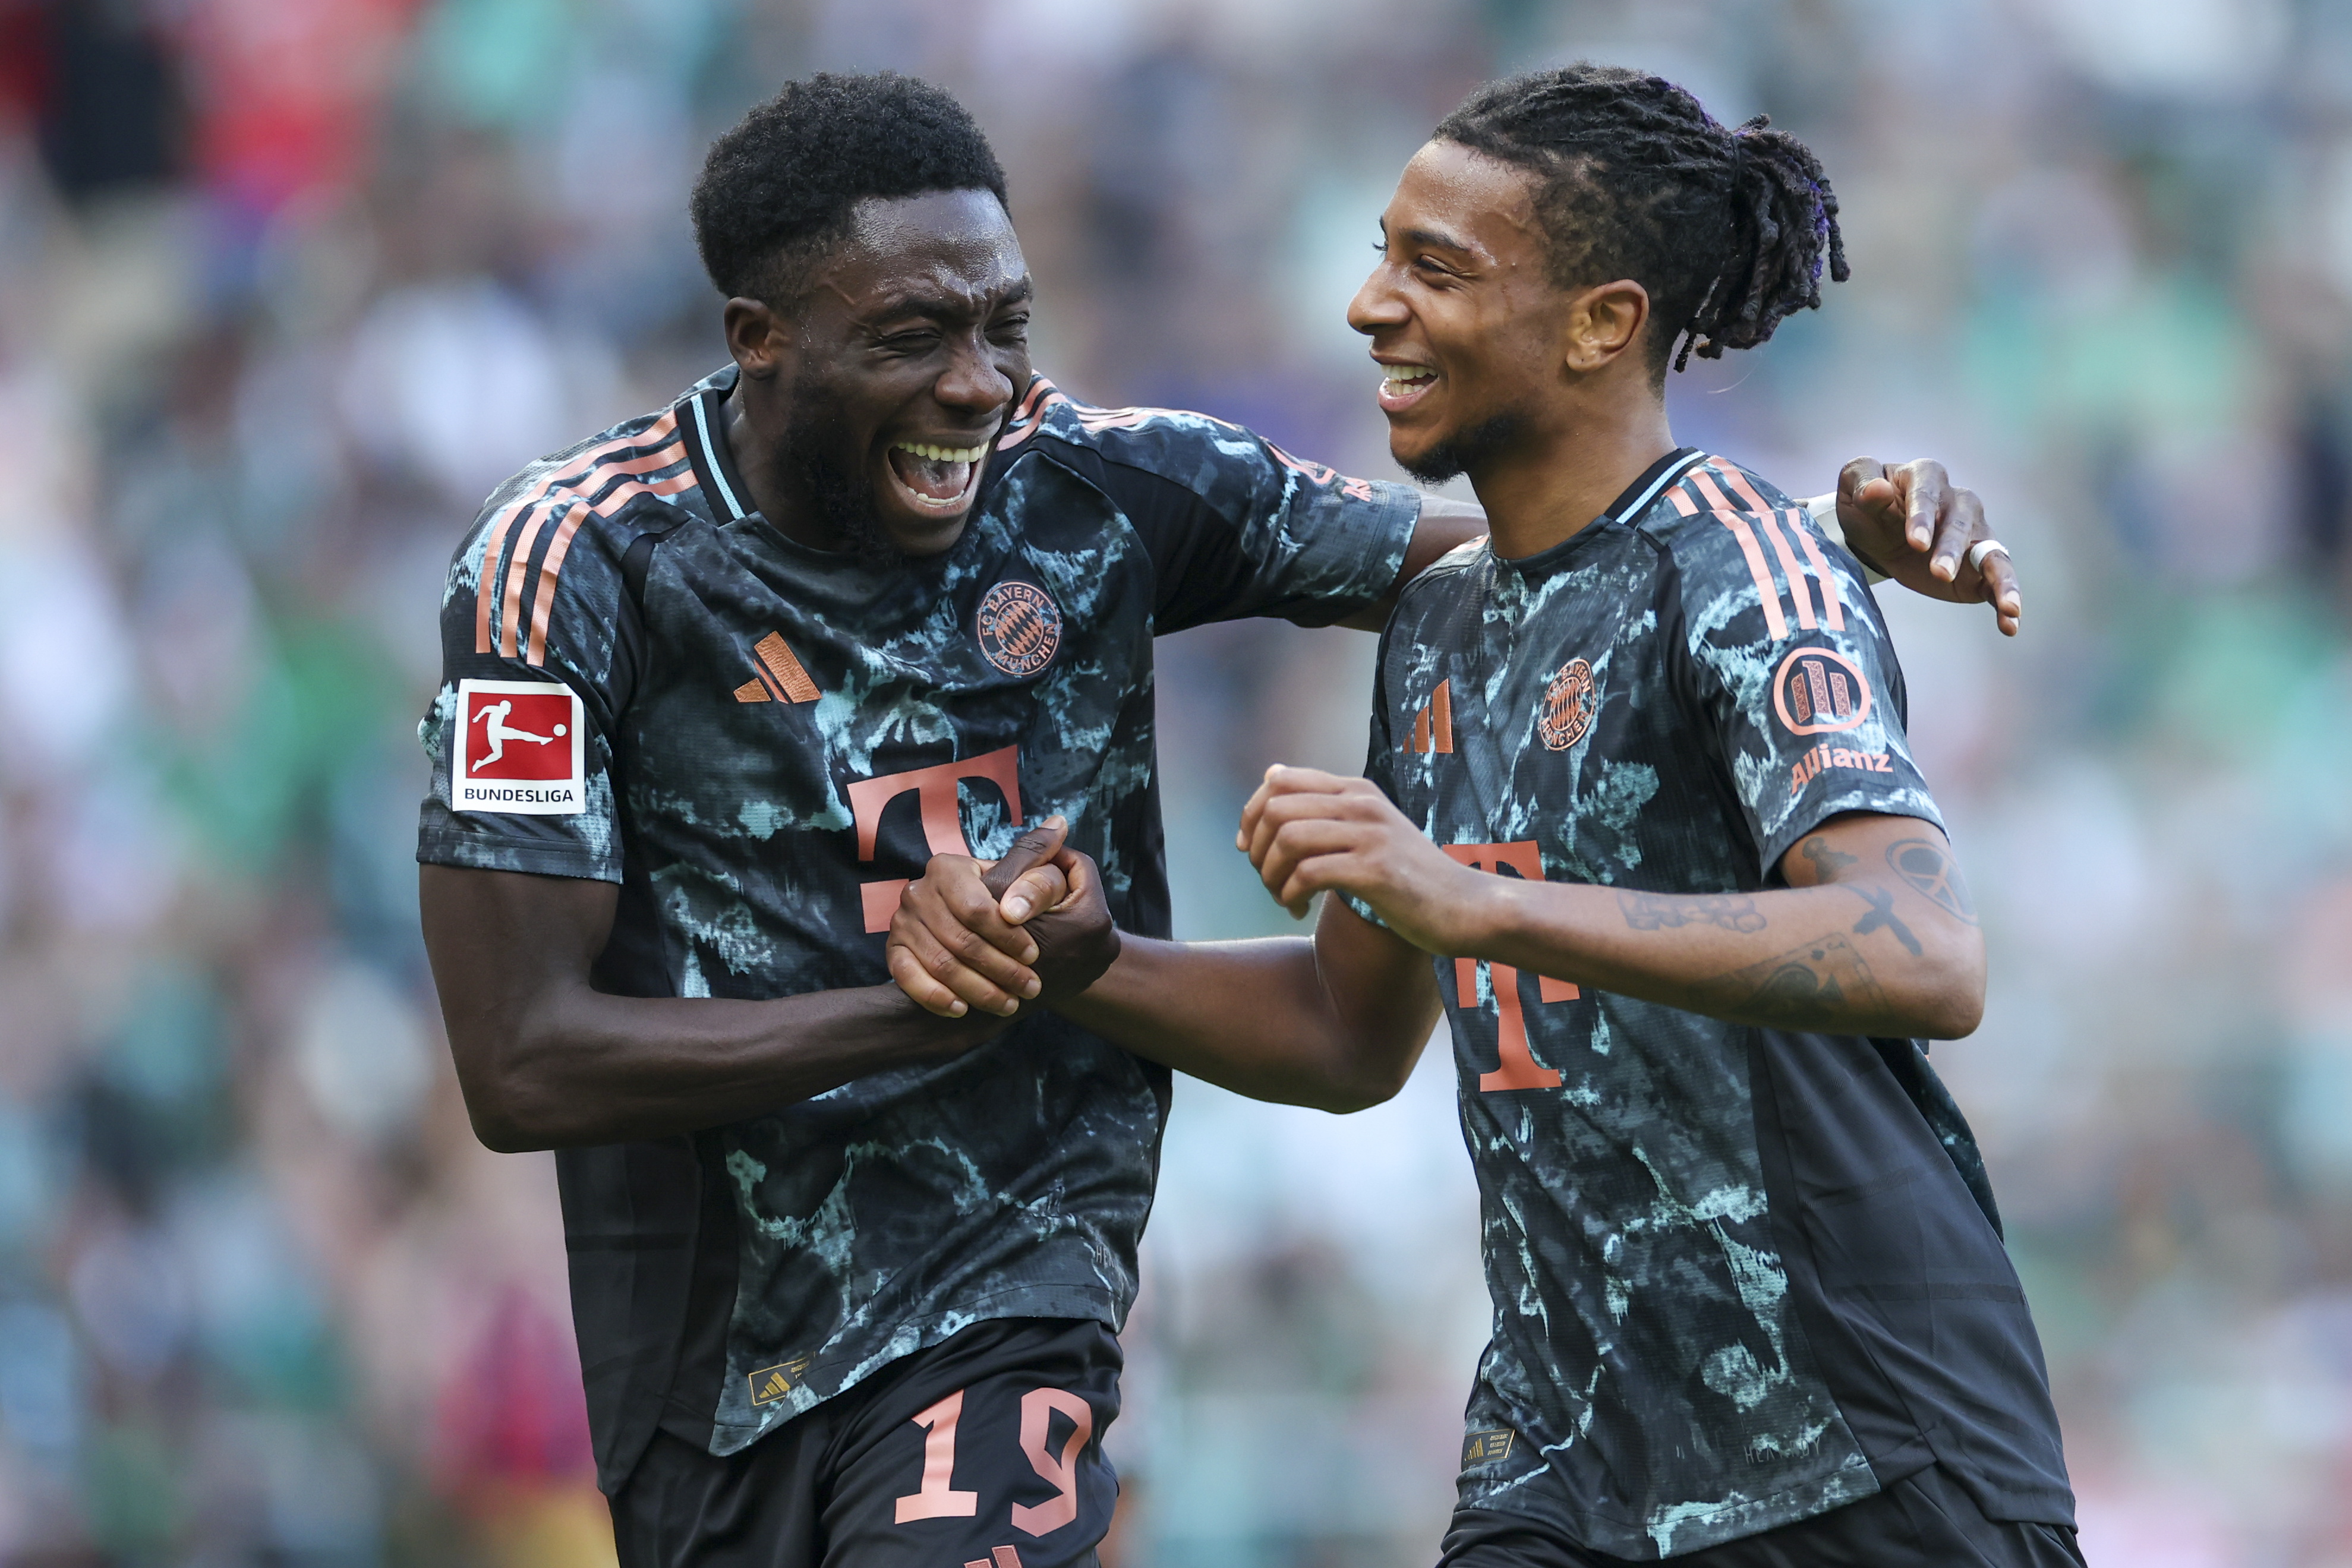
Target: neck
column 760, row 462
column 1553, row 485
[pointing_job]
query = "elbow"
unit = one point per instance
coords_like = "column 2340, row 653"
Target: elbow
column 1948, row 1002
column 1349, row 1100
column 502, row 1132
column 1949, row 1016
column 1367, row 1084
column 512, row 1112
column 503, row 1122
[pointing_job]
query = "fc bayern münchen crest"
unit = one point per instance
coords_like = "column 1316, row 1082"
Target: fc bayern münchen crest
column 1567, row 706
column 1020, row 626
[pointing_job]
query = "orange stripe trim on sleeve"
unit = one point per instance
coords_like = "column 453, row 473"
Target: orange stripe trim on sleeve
column 542, row 609
column 542, row 605
column 621, row 496
column 484, row 593
column 517, row 567
column 1683, row 503
column 663, row 429
column 1738, row 482
column 1833, row 609
column 1775, row 621
column 1704, row 483
column 1798, row 590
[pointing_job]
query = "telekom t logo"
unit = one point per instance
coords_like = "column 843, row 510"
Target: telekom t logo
column 935, row 791
column 1515, row 1066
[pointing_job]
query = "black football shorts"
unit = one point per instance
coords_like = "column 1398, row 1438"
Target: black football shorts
column 1924, row 1521
column 984, row 1451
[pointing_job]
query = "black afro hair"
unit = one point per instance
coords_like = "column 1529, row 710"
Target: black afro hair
column 779, row 188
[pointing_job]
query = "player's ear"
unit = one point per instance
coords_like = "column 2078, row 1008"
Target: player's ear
column 758, row 336
column 1603, row 322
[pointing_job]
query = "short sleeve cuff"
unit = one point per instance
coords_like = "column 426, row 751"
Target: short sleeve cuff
column 1813, row 813
column 1378, row 544
column 475, row 850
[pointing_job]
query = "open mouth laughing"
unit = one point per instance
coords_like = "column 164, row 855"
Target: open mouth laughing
column 935, row 478
column 1402, row 386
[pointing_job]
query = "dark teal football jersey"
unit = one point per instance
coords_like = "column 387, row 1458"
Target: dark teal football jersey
column 1739, row 1276
column 646, row 683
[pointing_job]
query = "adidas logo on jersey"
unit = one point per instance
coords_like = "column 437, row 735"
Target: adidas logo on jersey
column 1485, row 1448
column 1433, row 727
column 998, row 1557
column 780, row 677
column 771, row 1384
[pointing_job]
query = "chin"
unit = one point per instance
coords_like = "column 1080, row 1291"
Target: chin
column 1451, row 453
column 1429, row 462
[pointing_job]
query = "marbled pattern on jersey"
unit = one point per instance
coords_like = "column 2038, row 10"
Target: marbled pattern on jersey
column 887, row 1213
column 1611, row 709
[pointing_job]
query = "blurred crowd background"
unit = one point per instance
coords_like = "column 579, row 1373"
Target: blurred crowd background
column 285, row 287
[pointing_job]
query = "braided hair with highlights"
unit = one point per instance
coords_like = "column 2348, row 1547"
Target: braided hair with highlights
column 1726, row 229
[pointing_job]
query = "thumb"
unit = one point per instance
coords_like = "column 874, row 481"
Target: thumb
column 1032, row 849
column 1856, row 475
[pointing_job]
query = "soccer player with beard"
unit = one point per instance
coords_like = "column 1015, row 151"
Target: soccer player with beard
column 846, row 1275
column 1642, row 820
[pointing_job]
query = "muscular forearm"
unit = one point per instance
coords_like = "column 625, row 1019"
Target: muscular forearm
column 546, row 1061
column 581, row 1067
column 1258, row 1018
column 1872, row 935
column 1839, row 957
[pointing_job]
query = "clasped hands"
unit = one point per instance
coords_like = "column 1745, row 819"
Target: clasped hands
column 992, row 936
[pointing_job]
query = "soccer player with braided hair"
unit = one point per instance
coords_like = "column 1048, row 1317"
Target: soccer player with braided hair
column 1640, row 818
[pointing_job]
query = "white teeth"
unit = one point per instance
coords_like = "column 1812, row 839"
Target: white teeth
column 1396, row 375
column 943, row 453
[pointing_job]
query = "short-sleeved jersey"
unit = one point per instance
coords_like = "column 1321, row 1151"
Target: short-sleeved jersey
column 1739, row 1276
column 647, row 683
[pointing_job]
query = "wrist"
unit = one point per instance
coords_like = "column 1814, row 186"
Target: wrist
column 916, row 1037
column 1475, row 913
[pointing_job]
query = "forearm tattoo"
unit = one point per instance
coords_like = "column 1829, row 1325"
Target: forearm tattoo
column 1930, row 869
column 1655, row 912
column 1882, row 913
column 1816, row 986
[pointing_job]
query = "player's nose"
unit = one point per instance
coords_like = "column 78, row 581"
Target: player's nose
column 972, row 382
column 1377, row 304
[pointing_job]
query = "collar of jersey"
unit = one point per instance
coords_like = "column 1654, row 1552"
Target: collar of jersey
column 703, row 415
column 1630, row 504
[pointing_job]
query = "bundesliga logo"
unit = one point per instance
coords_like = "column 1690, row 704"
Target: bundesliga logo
column 1020, row 627
column 518, row 749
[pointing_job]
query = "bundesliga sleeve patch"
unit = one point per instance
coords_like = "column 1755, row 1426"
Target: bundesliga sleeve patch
column 518, row 750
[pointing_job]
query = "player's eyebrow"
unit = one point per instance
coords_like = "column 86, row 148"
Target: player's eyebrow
column 1438, row 239
column 953, row 307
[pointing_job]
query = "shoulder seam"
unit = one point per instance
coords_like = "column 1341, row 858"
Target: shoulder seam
column 567, row 497
column 1751, row 526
